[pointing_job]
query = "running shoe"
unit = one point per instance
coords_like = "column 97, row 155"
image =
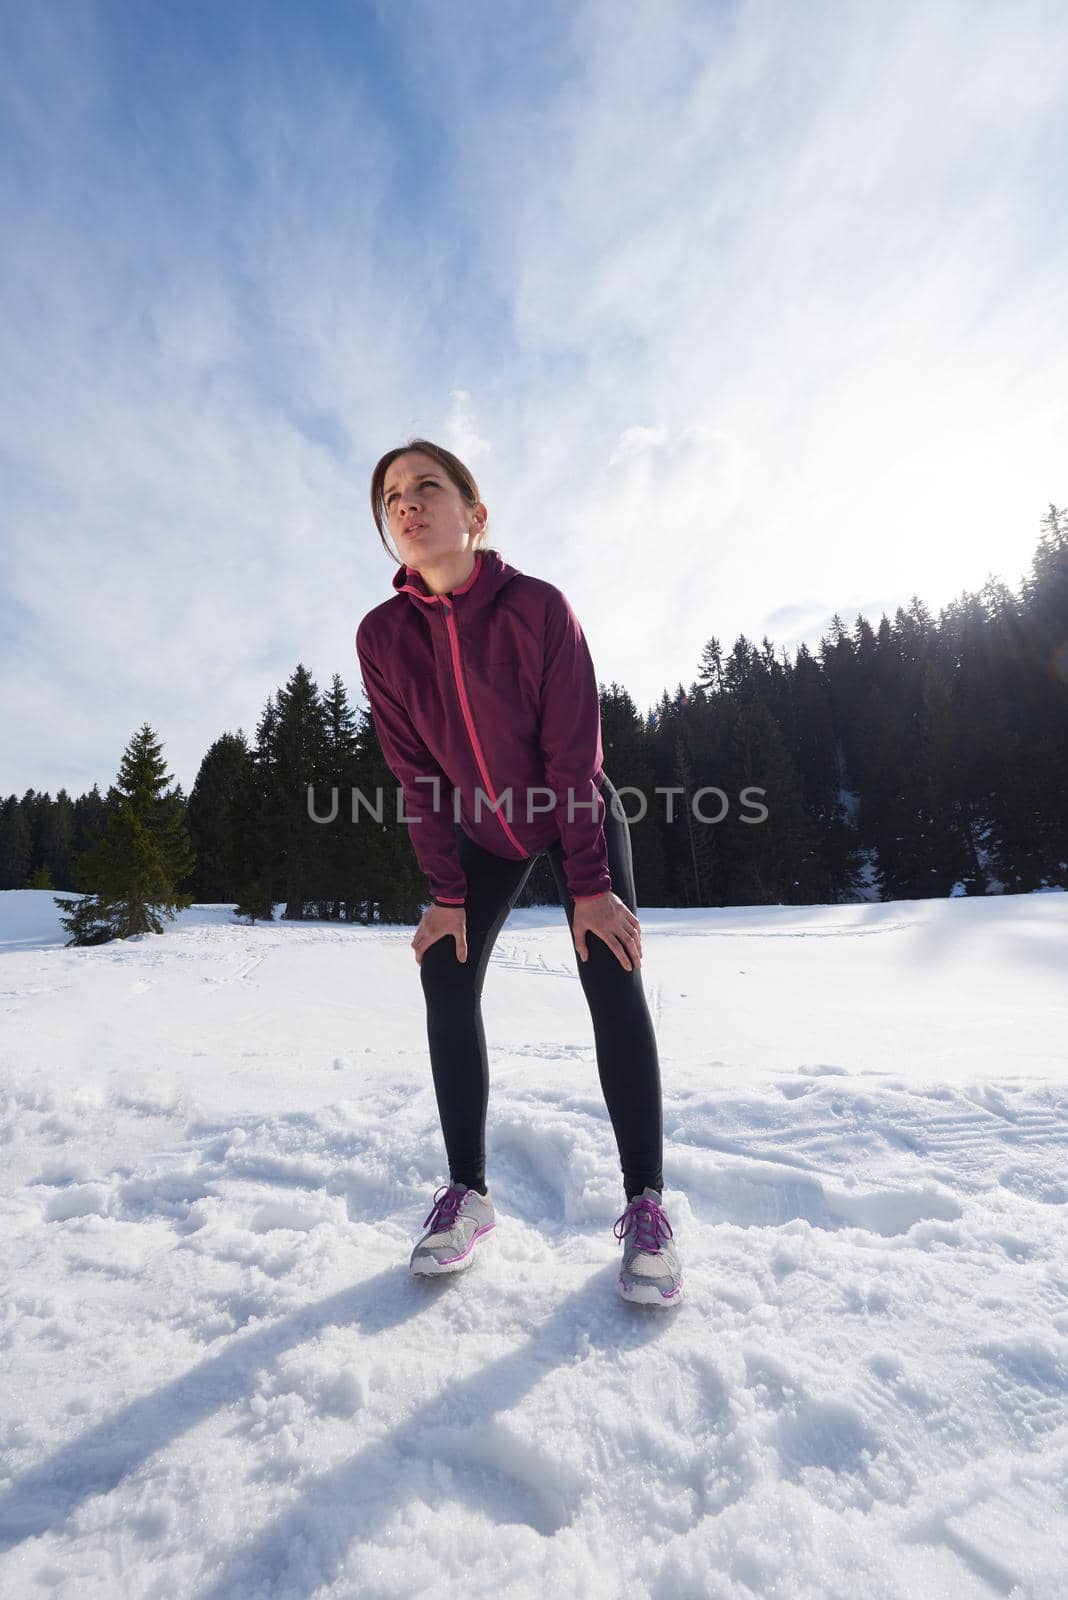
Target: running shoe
column 651, row 1273
column 459, row 1218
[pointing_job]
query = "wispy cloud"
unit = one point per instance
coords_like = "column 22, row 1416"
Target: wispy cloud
column 727, row 306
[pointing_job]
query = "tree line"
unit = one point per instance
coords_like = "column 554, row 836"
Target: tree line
column 922, row 757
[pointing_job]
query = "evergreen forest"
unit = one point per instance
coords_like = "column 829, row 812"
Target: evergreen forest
column 925, row 756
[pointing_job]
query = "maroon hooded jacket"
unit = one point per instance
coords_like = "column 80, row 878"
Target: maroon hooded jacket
column 488, row 689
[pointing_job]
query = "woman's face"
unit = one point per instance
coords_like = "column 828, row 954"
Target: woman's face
column 429, row 519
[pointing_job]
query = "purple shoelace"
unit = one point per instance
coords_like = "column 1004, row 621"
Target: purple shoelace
column 646, row 1220
column 443, row 1212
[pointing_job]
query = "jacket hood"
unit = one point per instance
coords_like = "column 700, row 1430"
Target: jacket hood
column 491, row 574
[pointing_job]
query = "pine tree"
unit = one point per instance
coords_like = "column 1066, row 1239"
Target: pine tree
column 35, row 806
column 212, row 818
column 338, row 845
column 710, row 676
column 773, row 859
column 940, row 806
column 254, row 903
column 90, row 820
column 88, row 921
column 16, row 844
column 628, row 766
column 300, row 745
column 1044, row 593
column 742, row 671
column 1044, row 619
column 254, row 813
column 809, row 729
column 132, row 872
column 386, row 882
column 54, row 839
column 885, row 777
column 696, row 837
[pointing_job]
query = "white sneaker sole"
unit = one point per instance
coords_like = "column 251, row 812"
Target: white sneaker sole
column 647, row 1294
column 426, row 1266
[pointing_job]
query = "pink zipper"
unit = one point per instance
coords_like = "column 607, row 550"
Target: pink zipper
column 465, row 707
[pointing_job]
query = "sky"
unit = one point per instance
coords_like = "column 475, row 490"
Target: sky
column 742, row 315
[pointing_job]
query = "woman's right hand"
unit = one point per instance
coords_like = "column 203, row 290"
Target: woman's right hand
column 438, row 922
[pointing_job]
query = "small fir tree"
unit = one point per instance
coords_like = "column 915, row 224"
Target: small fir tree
column 254, row 904
column 133, row 869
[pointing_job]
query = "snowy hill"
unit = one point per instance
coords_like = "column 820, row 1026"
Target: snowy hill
column 221, row 1381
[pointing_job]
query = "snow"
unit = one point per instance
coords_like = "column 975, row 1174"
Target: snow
column 221, row 1382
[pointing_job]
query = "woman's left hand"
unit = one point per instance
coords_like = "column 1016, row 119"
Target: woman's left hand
column 607, row 917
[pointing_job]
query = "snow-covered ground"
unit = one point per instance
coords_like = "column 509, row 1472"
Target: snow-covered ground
column 221, row 1382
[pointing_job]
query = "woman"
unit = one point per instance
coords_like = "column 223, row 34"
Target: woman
column 485, row 704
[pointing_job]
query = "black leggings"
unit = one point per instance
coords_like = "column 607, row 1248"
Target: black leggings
column 627, row 1061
